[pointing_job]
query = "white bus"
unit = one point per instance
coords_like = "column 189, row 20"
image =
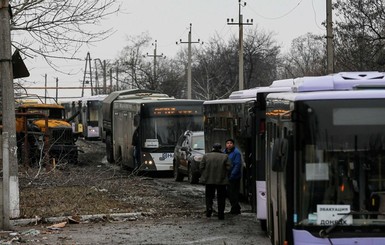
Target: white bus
column 242, row 118
column 86, row 114
column 158, row 120
column 326, row 160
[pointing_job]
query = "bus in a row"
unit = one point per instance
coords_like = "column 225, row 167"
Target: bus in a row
column 142, row 127
column 86, row 116
column 325, row 160
column 242, row 118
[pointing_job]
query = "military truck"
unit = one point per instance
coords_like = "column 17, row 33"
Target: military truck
column 44, row 134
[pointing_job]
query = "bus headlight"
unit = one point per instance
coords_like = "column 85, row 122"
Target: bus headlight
column 148, row 162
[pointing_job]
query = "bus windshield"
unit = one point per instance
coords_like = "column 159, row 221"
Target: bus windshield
column 341, row 155
column 167, row 129
column 93, row 110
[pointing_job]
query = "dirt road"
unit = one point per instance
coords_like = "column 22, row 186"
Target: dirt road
column 104, row 205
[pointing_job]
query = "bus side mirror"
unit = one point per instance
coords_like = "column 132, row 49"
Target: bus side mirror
column 280, row 154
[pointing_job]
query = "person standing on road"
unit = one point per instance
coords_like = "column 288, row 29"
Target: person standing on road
column 214, row 169
column 136, row 145
column 234, row 176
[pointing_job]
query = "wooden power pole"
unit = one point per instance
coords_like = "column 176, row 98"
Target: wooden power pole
column 10, row 207
column 329, row 37
column 155, row 56
column 240, row 48
column 189, row 42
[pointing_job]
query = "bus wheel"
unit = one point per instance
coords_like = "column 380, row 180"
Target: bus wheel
column 271, row 226
column 192, row 178
column 263, row 224
column 110, row 155
column 178, row 177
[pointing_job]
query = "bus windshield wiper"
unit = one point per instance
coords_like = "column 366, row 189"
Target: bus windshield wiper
column 198, row 148
column 324, row 233
column 166, row 146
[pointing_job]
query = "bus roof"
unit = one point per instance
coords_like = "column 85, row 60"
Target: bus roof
column 149, row 100
column 94, row 97
column 330, row 95
column 243, row 96
column 229, row 101
column 116, row 94
column 339, row 81
column 343, row 85
column 145, row 96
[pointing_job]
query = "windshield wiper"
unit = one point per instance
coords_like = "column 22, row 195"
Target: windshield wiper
column 325, row 233
column 166, row 146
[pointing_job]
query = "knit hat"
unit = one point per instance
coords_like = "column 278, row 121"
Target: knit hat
column 217, row 147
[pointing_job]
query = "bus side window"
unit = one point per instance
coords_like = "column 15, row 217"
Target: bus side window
column 377, row 203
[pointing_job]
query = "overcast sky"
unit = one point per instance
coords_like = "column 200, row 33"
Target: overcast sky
column 168, row 21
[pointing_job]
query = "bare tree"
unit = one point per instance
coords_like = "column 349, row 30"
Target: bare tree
column 306, row 57
column 172, row 78
column 359, row 35
column 135, row 70
column 261, row 58
column 58, row 28
column 215, row 73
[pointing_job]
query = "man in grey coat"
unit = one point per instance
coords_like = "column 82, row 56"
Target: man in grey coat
column 214, row 169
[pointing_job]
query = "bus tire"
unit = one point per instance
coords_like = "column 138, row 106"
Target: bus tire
column 192, row 177
column 109, row 151
column 263, row 224
column 271, row 226
column 178, row 177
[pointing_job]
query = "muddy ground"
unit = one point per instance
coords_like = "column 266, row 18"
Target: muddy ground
column 95, row 202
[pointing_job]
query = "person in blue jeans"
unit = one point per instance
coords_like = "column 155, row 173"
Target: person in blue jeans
column 234, row 176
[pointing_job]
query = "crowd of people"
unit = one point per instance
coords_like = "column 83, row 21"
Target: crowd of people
column 221, row 172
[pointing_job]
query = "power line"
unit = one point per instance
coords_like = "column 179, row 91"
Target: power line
column 278, row 17
column 315, row 16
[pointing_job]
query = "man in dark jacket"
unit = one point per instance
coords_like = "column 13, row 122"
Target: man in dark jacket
column 214, row 169
column 235, row 176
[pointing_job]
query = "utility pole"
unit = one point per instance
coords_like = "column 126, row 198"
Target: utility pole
column 57, row 89
column 103, row 65
column 96, row 79
column 117, row 76
column 329, row 37
column 45, row 88
column 88, row 61
column 111, row 80
column 155, row 56
column 189, row 42
column 10, row 184
column 240, row 50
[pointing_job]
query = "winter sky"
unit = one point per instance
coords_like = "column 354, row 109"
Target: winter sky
column 168, row 21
